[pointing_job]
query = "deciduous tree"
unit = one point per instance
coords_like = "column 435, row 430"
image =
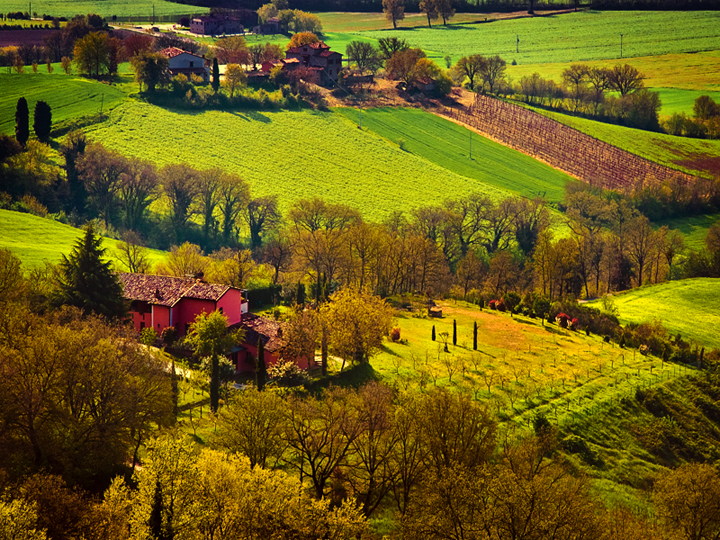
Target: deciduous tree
column 625, row 79
column 180, row 184
column 91, row 54
column 102, row 172
column 262, row 214
column 151, row 70
column 234, row 78
column 430, row 9
column 394, row 11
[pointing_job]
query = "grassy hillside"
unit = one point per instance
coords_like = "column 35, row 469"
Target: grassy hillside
column 572, row 37
column 688, row 307
column 448, row 145
column 35, row 240
column 690, row 71
column 694, row 228
column 106, row 8
column 70, row 97
column 301, row 154
column 696, row 156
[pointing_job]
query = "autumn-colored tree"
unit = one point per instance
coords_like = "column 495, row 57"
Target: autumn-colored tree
column 232, row 50
column 430, row 9
column 91, row 54
column 303, row 38
column 358, row 323
column 394, row 11
column 688, row 501
column 136, row 43
column 132, row 255
column 66, row 63
column 183, row 261
column 252, row 425
column 468, row 67
column 403, row 65
column 234, row 78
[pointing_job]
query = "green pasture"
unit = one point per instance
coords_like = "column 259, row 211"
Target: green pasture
column 335, row 21
column 689, row 307
column 572, row 37
column 677, row 100
column 689, row 71
column 695, row 156
column 106, row 8
column 294, row 154
column 693, row 228
column 70, row 97
column 448, row 145
column 35, row 240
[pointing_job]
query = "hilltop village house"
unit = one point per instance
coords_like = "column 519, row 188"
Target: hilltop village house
column 159, row 302
column 186, row 63
column 212, row 25
column 322, row 64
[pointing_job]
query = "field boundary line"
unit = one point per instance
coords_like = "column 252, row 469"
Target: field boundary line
column 562, row 147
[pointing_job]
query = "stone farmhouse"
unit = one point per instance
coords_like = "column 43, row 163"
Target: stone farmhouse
column 186, row 63
column 322, row 64
column 212, row 25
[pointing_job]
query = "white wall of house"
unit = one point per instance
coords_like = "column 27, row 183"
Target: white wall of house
column 186, row 60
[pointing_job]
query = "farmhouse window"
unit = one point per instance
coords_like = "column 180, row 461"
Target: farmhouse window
column 191, row 64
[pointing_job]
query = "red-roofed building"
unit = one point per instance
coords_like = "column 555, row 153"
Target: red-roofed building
column 211, row 25
column 318, row 58
column 161, row 301
column 187, row 63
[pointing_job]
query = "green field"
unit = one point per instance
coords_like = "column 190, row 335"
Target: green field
column 694, row 228
column 689, row 71
column 301, row 154
column 448, row 145
column 106, row 8
column 688, row 307
column 335, row 21
column 695, row 156
column 571, row 37
column 69, row 96
column 35, row 240
column 679, row 100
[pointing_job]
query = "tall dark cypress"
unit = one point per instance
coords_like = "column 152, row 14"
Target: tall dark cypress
column 156, row 512
column 454, row 333
column 260, row 369
column 215, row 76
column 42, row 121
column 475, row 336
column 22, row 121
column 433, row 333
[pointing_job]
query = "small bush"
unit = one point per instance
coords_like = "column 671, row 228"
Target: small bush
column 395, row 334
column 148, row 336
column 169, row 335
column 287, row 373
column 562, row 320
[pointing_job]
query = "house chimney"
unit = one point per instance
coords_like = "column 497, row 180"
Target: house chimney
column 158, row 296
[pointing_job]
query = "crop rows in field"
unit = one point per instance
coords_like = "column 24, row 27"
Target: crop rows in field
column 106, row 8
column 569, row 150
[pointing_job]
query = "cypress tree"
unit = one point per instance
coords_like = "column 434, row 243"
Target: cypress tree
column 454, row 333
column 174, row 388
column 156, row 512
column 475, row 336
column 215, row 76
column 22, row 121
column 42, row 121
column 87, row 281
column 433, row 333
column 260, row 370
column 300, row 296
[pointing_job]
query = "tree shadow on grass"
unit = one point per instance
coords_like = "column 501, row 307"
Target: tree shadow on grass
column 352, row 377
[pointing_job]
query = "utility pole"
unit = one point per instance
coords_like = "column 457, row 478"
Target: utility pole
column 621, row 46
column 517, row 44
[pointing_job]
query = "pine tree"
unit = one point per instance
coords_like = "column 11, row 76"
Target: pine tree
column 454, row 333
column 42, row 122
column 88, row 282
column 260, row 369
column 22, row 121
column 475, row 328
column 215, row 76
column 433, row 332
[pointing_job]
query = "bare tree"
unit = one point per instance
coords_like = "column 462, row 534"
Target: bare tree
column 132, row 255
column 394, row 11
column 181, row 188
column 625, row 79
column 138, row 190
column 102, row 172
column 261, row 214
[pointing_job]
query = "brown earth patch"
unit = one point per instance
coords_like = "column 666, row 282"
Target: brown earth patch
column 23, row 37
column 700, row 162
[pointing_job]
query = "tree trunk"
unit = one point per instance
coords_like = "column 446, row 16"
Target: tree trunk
column 215, row 384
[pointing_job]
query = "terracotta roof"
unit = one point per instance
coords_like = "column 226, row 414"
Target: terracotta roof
column 289, row 61
column 329, row 53
column 268, row 330
column 172, row 52
column 320, row 45
column 294, row 50
column 168, row 290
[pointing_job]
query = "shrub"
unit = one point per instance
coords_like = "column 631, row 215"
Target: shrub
column 395, row 334
column 287, row 373
column 226, row 369
column 573, row 444
column 169, row 335
column 574, row 324
column 148, row 336
column 562, row 320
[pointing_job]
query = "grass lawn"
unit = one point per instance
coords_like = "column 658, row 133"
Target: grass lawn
column 696, row 156
column 295, row 154
column 448, row 145
column 678, row 100
column 572, row 37
column 69, row 96
column 694, row 228
column 689, row 71
column 106, row 8
column 688, row 307
column 35, row 240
